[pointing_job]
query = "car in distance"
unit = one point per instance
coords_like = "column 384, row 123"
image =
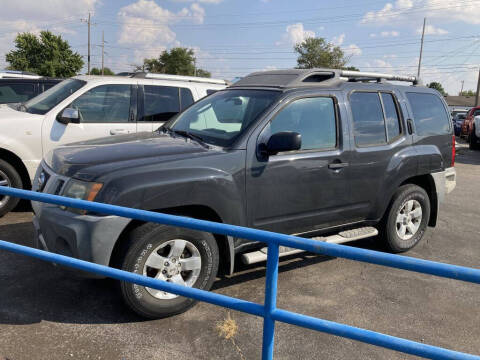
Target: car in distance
column 88, row 107
column 458, row 122
column 474, row 136
column 467, row 125
column 19, row 90
column 329, row 154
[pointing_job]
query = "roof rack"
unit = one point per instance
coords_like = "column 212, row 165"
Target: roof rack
column 314, row 77
column 147, row 75
column 18, row 74
column 368, row 76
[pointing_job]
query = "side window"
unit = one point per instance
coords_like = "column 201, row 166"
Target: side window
column 210, row 92
column 392, row 120
column 160, row 103
column 48, row 85
column 313, row 118
column 476, row 112
column 186, row 98
column 104, row 104
column 12, row 93
column 368, row 121
column 429, row 114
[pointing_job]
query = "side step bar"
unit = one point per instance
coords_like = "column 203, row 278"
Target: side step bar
column 342, row 237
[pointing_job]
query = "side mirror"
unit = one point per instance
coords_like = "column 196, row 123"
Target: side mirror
column 69, row 115
column 284, row 141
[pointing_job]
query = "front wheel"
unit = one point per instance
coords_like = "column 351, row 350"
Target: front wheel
column 407, row 218
column 181, row 256
column 8, row 177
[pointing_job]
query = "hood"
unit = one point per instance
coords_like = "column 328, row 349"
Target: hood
column 7, row 113
column 90, row 159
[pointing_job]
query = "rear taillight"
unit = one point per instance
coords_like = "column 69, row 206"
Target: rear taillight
column 453, row 150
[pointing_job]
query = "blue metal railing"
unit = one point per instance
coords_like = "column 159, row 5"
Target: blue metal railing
column 268, row 310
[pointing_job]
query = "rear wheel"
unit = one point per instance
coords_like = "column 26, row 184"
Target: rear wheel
column 473, row 140
column 8, row 177
column 181, row 256
column 407, row 218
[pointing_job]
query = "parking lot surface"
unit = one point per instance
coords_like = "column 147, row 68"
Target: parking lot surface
column 47, row 314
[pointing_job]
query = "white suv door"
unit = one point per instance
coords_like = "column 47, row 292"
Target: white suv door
column 104, row 110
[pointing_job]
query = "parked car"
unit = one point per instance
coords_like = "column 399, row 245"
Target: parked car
column 19, row 90
column 457, row 122
column 468, row 122
column 293, row 151
column 13, row 74
column 87, row 107
column 474, row 136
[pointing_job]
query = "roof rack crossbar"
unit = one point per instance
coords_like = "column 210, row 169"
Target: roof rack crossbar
column 377, row 76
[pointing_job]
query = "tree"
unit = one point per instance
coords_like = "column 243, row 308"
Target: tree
column 437, row 86
column 177, row 61
column 46, row 55
column 317, row 52
column 106, row 71
column 468, row 93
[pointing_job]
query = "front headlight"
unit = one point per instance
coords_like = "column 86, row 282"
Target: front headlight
column 81, row 190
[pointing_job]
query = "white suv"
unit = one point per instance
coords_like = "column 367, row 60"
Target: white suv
column 88, row 107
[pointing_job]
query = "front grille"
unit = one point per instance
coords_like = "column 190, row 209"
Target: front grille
column 47, row 181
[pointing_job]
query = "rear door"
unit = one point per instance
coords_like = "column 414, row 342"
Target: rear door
column 381, row 149
column 158, row 104
column 304, row 190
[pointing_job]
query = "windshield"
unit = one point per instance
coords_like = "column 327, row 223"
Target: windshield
column 46, row 101
column 221, row 117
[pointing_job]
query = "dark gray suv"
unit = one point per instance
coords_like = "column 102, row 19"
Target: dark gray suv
column 329, row 154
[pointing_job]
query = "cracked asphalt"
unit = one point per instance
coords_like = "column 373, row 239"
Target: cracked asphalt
column 46, row 314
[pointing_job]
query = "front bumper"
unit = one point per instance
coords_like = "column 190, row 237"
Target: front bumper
column 86, row 237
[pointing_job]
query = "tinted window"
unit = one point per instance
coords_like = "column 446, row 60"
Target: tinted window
column 210, row 92
column 312, row 118
column 104, row 104
column 12, row 93
column 186, row 98
column 477, row 112
column 368, row 122
column 429, row 114
column 391, row 116
column 161, row 103
column 47, row 86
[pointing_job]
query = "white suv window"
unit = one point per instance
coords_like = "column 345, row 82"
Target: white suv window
column 104, row 104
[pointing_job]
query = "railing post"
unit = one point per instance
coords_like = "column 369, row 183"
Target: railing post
column 270, row 301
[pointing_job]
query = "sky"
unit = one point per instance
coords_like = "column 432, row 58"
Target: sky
column 232, row 38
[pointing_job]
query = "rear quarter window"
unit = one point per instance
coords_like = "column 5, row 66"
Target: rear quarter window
column 429, row 114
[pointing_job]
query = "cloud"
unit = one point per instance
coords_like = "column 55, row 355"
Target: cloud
column 295, row 34
column 201, row 1
column 415, row 10
column 352, row 50
column 338, row 40
column 36, row 16
column 432, row 30
column 146, row 26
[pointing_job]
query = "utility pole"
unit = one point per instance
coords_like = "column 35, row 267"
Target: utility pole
column 421, row 48
column 477, row 97
column 461, row 90
column 103, row 51
column 88, row 59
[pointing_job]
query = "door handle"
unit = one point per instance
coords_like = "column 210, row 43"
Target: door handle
column 118, row 131
column 337, row 165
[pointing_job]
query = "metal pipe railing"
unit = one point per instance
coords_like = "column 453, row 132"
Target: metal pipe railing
column 268, row 311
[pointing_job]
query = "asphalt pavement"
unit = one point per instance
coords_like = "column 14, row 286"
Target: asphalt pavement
column 47, row 314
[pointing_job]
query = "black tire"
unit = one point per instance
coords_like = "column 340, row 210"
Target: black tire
column 142, row 242
column 473, row 140
column 9, row 174
column 389, row 231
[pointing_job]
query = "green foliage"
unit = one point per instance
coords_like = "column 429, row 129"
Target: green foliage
column 106, row 71
column 46, row 55
column 317, row 52
column 468, row 93
column 352, row 68
column 177, row 61
column 437, row 86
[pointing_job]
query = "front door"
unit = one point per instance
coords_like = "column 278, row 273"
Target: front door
column 302, row 190
column 104, row 110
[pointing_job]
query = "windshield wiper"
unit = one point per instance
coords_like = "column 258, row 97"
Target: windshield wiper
column 188, row 135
